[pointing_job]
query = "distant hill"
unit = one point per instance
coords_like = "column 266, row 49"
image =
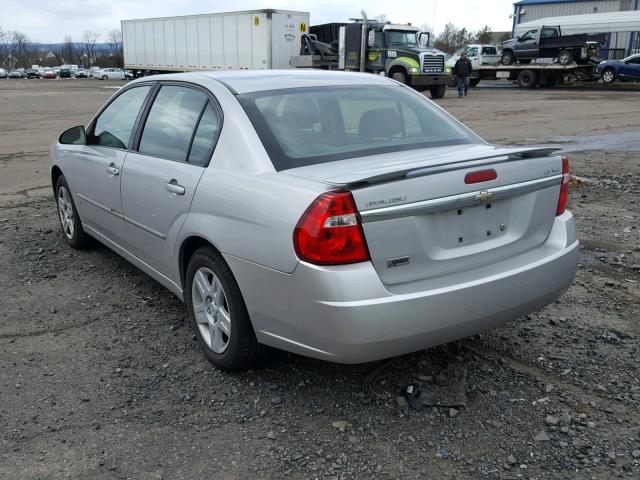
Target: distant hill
column 54, row 47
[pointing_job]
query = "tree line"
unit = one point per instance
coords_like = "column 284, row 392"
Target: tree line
column 452, row 38
column 17, row 51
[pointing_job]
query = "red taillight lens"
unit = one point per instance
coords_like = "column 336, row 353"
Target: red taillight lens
column 480, row 176
column 329, row 231
column 564, row 188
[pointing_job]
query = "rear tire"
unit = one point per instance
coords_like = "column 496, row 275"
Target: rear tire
column 507, row 57
column 548, row 80
column 528, row 79
column 219, row 313
column 565, row 57
column 104, row 77
column 70, row 222
column 608, row 75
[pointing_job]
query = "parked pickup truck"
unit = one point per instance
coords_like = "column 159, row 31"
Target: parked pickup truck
column 548, row 42
column 479, row 55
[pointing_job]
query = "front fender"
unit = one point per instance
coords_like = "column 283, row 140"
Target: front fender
column 408, row 64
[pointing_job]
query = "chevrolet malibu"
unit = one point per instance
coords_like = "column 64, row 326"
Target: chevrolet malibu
column 341, row 216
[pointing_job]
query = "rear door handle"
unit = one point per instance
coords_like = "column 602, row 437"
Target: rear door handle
column 173, row 187
column 113, row 170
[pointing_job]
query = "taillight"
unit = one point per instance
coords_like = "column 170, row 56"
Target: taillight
column 564, row 188
column 329, row 232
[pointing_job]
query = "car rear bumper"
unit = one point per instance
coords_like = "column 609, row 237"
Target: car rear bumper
column 345, row 314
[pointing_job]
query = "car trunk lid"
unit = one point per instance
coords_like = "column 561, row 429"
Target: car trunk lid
column 421, row 219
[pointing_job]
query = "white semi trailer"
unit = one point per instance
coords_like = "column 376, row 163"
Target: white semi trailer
column 255, row 39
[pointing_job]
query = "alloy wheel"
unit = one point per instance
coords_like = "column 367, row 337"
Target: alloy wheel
column 65, row 212
column 211, row 310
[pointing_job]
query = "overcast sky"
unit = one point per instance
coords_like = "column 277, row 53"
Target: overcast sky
column 50, row 20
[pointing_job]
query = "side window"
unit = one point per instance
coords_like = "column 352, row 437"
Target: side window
column 206, row 136
column 472, row 52
column 489, row 51
column 530, row 35
column 171, row 122
column 549, row 32
column 114, row 125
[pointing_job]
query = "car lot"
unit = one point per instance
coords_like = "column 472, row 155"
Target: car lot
column 101, row 378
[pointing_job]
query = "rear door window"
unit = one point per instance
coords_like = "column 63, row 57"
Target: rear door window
column 172, row 122
column 115, row 124
column 205, row 136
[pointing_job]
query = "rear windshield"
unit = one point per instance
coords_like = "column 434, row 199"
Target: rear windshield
column 307, row 126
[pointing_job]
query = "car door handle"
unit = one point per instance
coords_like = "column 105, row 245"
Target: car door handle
column 113, row 170
column 174, row 187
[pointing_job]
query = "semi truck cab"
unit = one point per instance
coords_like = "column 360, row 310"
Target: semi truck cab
column 398, row 51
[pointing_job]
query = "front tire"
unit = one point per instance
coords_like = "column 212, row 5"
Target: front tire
column 70, row 222
column 474, row 82
column 218, row 313
column 507, row 57
column 437, row 91
column 104, row 77
column 399, row 77
column 608, row 75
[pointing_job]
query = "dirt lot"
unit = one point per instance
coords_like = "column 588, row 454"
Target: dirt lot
column 100, row 376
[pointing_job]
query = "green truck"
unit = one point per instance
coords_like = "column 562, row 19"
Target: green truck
column 397, row 51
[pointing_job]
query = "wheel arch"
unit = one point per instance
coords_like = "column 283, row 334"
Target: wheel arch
column 187, row 248
column 56, row 173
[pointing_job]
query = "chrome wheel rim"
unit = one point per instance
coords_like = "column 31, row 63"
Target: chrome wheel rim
column 608, row 76
column 65, row 212
column 211, row 310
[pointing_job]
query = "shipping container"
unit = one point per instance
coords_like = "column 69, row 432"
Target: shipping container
column 248, row 40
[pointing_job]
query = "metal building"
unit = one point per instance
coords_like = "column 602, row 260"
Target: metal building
column 620, row 44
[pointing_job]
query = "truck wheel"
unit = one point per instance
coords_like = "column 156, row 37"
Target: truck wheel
column 608, row 75
column 548, row 80
column 399, row 77
column 437, row 91
column 565, row 57
column 528, row 79
column 474, row 82
column 507, row 57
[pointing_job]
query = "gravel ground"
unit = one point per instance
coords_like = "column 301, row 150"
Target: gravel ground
column 100, row 375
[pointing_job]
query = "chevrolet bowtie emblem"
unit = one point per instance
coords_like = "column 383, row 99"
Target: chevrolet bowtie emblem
column 483, row 197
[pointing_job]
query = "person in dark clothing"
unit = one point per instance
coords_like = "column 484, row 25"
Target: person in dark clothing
column 462, row 69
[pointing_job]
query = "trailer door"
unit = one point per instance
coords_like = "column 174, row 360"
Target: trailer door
column 286, row 30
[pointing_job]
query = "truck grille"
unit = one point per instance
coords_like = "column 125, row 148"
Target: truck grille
column 432, row 64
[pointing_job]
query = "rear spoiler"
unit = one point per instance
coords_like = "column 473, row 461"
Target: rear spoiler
column 418, row 168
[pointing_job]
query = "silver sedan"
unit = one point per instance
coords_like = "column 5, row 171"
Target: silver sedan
column 341, row 216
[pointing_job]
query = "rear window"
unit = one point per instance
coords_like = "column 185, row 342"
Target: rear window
column 307, row 126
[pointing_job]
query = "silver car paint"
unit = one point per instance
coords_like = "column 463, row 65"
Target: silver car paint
column 350, row 313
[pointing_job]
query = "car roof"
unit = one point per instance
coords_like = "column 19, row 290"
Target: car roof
column 249, row 81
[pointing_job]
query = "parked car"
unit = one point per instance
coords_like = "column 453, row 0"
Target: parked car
column 32, row 73
column 109, row 74
column 65, row 73
column 549, row 42
column 625, row 69
column 342, row 216
column 15, row 74
column 49, row 73
column 93, row 70
column 81, row 73
column 3, row 73
column 479, row 55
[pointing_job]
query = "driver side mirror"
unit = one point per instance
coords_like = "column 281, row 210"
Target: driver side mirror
column 424, row 39
column 73, row 136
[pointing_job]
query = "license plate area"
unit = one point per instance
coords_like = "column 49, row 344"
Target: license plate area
column 473, row 225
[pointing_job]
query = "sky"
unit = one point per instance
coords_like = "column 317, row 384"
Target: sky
column 48, row 21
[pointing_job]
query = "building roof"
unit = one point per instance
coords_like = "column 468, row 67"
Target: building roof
column 535, row 2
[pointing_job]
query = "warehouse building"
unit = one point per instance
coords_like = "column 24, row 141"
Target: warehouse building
column 620, row 43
